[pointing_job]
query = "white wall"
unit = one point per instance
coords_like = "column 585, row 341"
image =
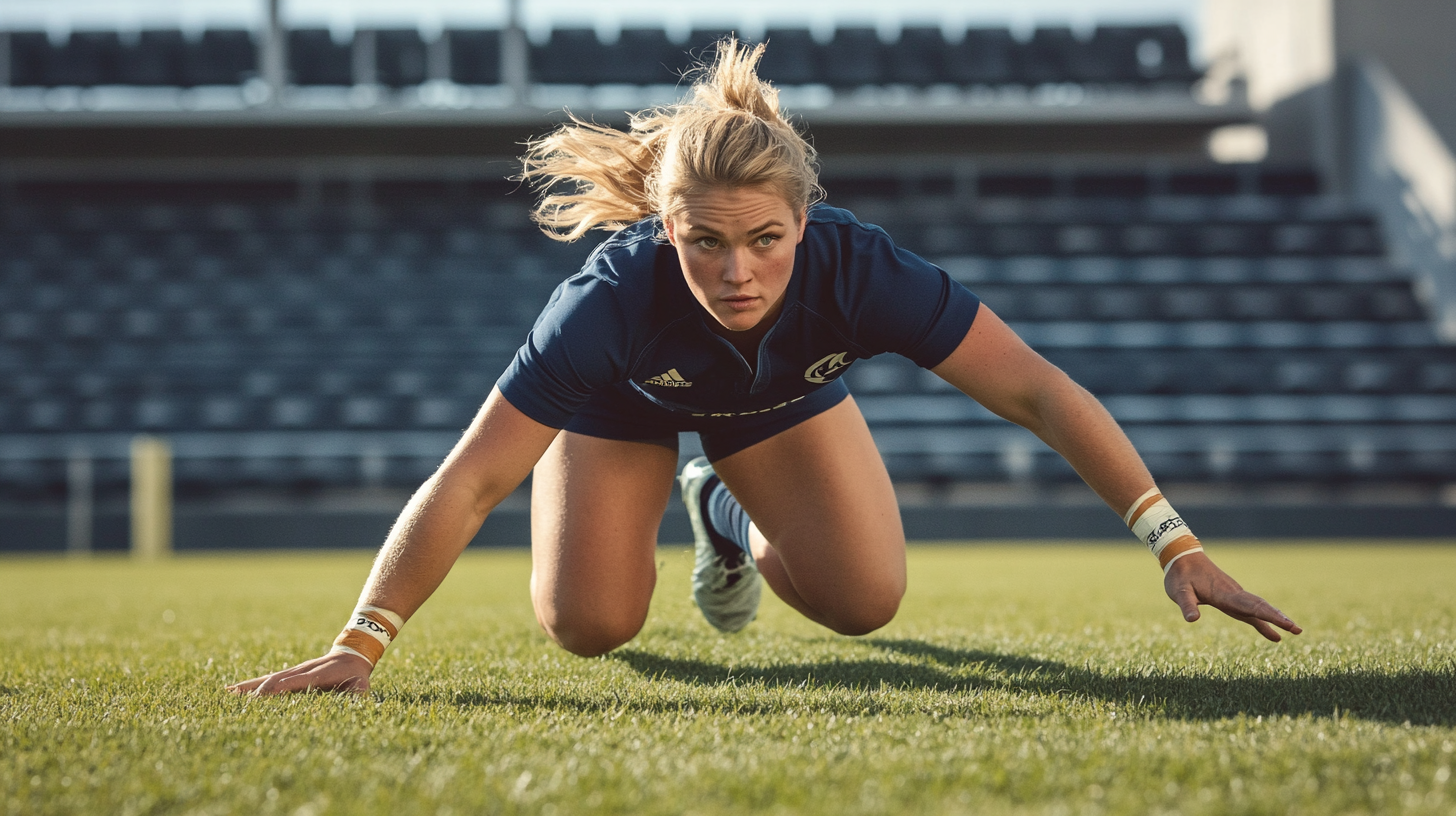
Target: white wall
column 1281, row 46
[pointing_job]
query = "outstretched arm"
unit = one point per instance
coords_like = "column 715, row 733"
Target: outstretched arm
column 490, row 460
column 994, row 367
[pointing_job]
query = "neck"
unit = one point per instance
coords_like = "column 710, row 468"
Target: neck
column 746, row 342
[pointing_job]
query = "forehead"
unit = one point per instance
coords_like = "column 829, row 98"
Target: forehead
column 732, row 209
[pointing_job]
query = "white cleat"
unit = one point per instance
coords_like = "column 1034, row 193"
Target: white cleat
column 726, row 585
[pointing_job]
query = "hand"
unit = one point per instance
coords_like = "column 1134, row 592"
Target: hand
column 1194, row 579
column 332, row 672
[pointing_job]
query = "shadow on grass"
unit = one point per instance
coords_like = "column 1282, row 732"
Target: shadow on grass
column 1423, row 697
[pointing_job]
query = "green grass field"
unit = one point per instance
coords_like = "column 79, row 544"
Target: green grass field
column 1016, row 679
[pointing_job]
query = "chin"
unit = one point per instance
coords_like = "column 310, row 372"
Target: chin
column 740, row 322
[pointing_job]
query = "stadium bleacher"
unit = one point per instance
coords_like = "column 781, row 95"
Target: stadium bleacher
column 852, row 57
column 296, row 332
column 1240, row 323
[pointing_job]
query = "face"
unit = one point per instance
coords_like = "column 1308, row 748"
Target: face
column 736, row 247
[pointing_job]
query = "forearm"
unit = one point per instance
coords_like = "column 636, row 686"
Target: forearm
column 994, row 367
column 1074, row 424
column 433, row 529
column 491, row 460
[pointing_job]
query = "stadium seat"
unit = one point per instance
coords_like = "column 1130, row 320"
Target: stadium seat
column 1286, row 182
column 88, row 58
column 917, row 57
column 441, row 412
column 640, row 56
column 227, row 411
column 983, row 56
column 573, row 56
column 1357, row 238
column 1187, row 303
column 855, row 57
column 1438, row 376
column 1111, row 185
column 1135, row 55
column 1168, row 61
column 160, row 412
column 399, row 57
column 1017, row 185
column 1018, row 239
column 1431, row 465
column 1049, row 56
column 1054, row 303
column 295, row 411
column 316, row 58
column 30, row 58
column 1327, row 303
column 1305, row 373
column 474, row 56
column 1204, row 183
column 1373, row 375
column 1184, row 466
column 1111, row 56
column 1227, row 239
column 157, row 58
column 792, row 57
column 370, row 411
column 221, row 57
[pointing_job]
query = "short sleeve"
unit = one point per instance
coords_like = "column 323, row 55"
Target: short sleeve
column 577, row 346
column 899, row 302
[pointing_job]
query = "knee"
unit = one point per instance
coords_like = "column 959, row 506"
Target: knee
column 866, row 615
column 589, row 636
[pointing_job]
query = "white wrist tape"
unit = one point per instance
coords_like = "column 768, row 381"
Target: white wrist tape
column 1157, row 525
column 369, row 631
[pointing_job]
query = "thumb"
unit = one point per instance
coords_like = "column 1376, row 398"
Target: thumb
column 1187, row 601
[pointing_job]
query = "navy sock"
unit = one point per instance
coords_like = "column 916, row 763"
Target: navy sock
column 726, row 516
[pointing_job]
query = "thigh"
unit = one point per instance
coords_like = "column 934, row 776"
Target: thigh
column 596, row 505
column 820, row 495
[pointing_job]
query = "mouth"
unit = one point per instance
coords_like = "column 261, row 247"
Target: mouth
column 740, row 303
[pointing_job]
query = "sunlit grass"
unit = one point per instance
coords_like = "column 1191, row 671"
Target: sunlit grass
column 1028, row 678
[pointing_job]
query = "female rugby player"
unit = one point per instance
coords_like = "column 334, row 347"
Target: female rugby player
column 729, row 303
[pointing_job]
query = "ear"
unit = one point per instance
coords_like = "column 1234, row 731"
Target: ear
column 670, row 228
column 803, row 223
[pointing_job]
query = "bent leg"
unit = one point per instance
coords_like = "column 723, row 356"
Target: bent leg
column 831, row 543
column 596, row 505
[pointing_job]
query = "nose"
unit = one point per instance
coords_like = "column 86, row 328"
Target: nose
column 735, row 267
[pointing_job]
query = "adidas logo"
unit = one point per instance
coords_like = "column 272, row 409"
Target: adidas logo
column 671, row 379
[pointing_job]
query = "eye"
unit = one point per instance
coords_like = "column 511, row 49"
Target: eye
column 766, row 240
column 707, row 242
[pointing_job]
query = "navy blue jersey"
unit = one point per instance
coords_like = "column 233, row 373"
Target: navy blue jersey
column 628, row 321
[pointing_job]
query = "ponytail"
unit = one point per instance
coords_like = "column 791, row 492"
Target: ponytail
column 730, row 133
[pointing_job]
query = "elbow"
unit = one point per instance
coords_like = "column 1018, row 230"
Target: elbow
column 489, row 496
column 480, row 495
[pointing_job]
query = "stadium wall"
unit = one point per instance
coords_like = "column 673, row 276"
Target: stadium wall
column 196, row 529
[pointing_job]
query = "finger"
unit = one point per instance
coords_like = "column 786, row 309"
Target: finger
column 286, row 682
column 1259, row 625
column 319, row 678
column 281, row 682
column 1279, row 619
column 247, row 685
column 1264, row 629
column 1251, row 605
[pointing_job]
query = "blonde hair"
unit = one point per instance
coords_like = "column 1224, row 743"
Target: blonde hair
column 729, row 133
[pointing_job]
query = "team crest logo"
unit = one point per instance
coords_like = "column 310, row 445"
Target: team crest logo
column 821, row 371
